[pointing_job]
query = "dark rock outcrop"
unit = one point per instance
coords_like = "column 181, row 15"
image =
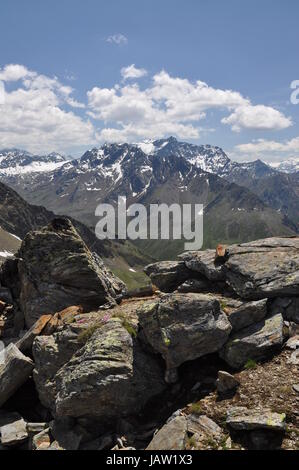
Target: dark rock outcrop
column 256, row 342
column 109, row 377
column 56, row 270
column 167, row 275
column 182, row 327
column 265, row 268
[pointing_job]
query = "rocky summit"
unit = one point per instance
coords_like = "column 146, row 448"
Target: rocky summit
column 54, row 269
column 208, row 360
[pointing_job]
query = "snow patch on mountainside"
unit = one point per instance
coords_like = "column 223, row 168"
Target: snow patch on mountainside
column 289, row 166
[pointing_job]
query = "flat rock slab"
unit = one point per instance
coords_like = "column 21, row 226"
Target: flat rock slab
column 204, row 262
column 247, row 314
column 256, row 342
column 265, row 268
column 243, row 419
column 175, row 433
column 167, row 275
column 183, row 327
column 14, row 371
column 14, row 433
column 172, row 436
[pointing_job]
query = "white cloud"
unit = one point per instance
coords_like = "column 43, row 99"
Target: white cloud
column 268, row 150
column 172, row 105
column 33, row 115
column 14, row 72
column 262, row 145
column 40, row 113
column 132, row 72
column 119, row 39
column 258, row 117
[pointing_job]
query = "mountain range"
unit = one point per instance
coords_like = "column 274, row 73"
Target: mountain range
column 242, row 201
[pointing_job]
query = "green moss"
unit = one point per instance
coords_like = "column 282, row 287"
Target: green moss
column 190, row 442
column 130, row 329
column 250, row 364
column 195, row 408
column 223, row 305
column 84, row 336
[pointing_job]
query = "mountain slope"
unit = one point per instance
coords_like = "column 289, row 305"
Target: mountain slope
column 232, row 213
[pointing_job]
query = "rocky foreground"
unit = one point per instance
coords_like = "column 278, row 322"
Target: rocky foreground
column 209, row 361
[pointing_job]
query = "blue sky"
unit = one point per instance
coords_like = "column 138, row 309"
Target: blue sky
column 207, row 71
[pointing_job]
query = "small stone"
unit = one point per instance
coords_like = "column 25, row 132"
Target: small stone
column 244, row 419
column 296, row 387
column 226, row 382
column 294, row 359
column 14, row 433
column 293, row 343
column 228, row 443
column 41, row 441
column 36, row 428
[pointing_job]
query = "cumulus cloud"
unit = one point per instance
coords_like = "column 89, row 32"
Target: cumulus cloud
column 172, row 105
column 258, row 117
column 132, row 72
column 119, row 39
column 268, row 150
column 14, row 72
column 33, row 115
column 41, row 112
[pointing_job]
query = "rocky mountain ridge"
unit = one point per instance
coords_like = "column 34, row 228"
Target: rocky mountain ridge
column 232, row 212
column 124, row 375
column 169, row 170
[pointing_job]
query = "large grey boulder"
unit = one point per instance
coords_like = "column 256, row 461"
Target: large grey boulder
column 109, row 377
column 182, row 327
column 244, row 419
column 167, row 275
column 204, row 262
column 265, row 268
column 242, row 314
column 15, row 369
column 56, row 270
column 181, row 432
column 256, row 342
column 50, row 354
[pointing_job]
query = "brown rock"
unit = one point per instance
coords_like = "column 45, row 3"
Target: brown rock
column 25, row 343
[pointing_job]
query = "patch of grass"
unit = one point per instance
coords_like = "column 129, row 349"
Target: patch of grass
column 190, row 442
column 130, row 329
column 223, row 305
column 250, row 364
column 133, row 280
column 195, row 408
column 84, row 336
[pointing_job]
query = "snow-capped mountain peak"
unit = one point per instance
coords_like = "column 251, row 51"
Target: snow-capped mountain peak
column 291, row 165
column 19, row 162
